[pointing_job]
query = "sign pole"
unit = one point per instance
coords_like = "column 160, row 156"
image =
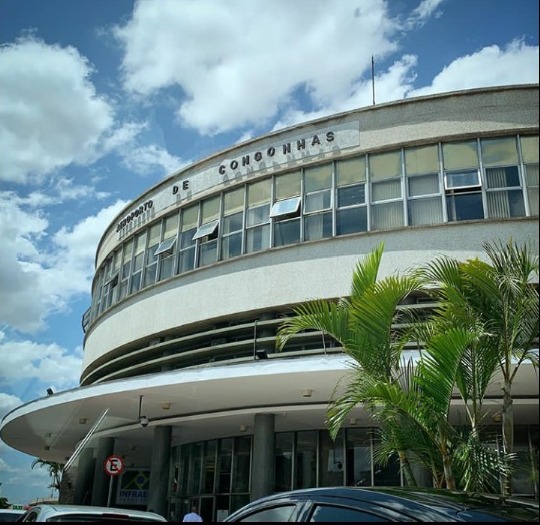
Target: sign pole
column 110, row 491
column 114, row 465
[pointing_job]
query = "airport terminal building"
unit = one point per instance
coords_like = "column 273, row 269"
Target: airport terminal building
column 181, row 379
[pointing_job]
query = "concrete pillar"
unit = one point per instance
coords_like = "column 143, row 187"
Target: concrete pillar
column 83, row 482
column 264, row 440
column 100, row 490
column 159, row 470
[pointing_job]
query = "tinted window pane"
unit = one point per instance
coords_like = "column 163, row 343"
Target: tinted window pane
column 462, row 179
column 282, row 513
column 283, row 461
column 232, row 223
column 351, row 220
column 329, row 513
column 318, row 226
column 231, row 246
column 496, row 152
column 505, row 204
column 467, row 206
column 351, row 195
column 286, row 232
column 502, row 177
column 425, row 211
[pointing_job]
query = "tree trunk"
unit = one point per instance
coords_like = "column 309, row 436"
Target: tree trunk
column 508, row 435
column 447, row 465
column 410, row 480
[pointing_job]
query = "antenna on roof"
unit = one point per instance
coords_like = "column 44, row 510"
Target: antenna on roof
column 373, row 78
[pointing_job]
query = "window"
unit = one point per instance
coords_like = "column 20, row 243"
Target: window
column 126, row 268
column 459, row 155
column 233, row 223
column 150, row 273
column 359, row 466
column 504, row 189
column 385, row 177
column 286, row 209
column 462, row 181
column 504, row 193
column 110, row 285
column 529, row 150
column 456, row 180
column 306, row 459
column 206, row 235
column 424, row 200
column 258, row 216
column 186, row 244
column 332, row 467
column 337, row 514
column 318, row 202
column 166, row 249
column 277, row 513
column 351, row 215
column 138, row 259
column 283, row 461
column 207, row 230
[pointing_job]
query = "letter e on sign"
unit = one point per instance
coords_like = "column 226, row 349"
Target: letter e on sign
column 114, row 465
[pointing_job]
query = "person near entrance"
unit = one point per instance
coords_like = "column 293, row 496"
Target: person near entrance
column 192, row 516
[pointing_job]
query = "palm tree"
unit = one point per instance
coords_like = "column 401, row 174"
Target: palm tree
column 363, row 325
column 55, row 471
column 498, row 302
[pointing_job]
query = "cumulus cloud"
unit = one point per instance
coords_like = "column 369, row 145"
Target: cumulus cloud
column 237, row 64
column 7, row 401
column 517, row 63
column 146, row 159
column 392, row 84
column 50, row 115
column 49, row 364
column 39, row 278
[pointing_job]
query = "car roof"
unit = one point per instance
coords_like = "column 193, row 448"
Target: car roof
column 91, row 509
column 442, row 502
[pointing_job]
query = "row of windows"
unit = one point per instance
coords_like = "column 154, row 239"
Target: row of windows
column 310, row 458
column 477, row 179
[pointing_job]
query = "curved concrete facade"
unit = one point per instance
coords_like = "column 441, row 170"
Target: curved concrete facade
column 193, row 277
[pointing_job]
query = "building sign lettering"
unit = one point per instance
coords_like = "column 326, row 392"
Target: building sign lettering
column 140, row 210
column 286, row 149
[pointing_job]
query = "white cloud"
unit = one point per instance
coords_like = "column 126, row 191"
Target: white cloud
column 517, row 63
column 238, row 66
column 237, row 63
column 48, row 364
column 144, row 160
column 424, row 10
column 392, row 84
column 37, row 281
column 50, row 114
column 7, row 401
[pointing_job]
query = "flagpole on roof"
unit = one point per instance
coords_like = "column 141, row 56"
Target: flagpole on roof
column 373, row 78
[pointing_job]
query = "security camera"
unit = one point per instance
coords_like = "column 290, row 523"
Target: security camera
column 143, row 420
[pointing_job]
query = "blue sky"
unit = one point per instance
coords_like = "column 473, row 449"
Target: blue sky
column 101, row 99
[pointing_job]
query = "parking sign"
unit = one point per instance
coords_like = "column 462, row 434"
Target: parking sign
column 114, row 465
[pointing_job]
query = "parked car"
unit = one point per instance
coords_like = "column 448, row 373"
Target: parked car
column 10, row 515
column 87, row 513
column 351, row 504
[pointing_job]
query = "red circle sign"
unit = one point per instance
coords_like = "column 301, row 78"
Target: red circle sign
column 114, row 465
